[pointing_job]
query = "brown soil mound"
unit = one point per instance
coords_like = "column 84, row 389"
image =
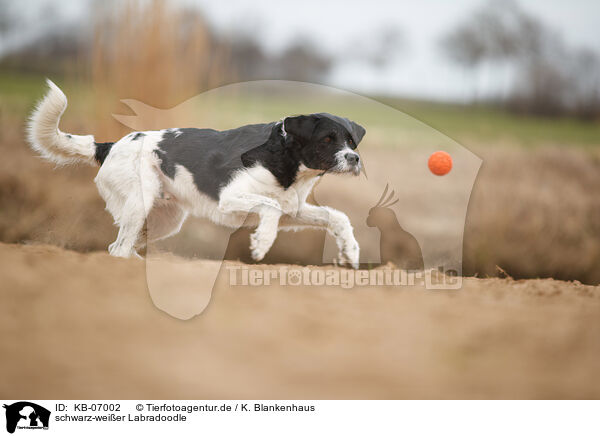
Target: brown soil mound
column 83, row 326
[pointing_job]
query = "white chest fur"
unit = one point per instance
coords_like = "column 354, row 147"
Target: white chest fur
column 259, row 181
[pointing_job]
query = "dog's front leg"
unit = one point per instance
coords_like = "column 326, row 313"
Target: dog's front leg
column 268, row 211
column 338, row 225
column 264, row 236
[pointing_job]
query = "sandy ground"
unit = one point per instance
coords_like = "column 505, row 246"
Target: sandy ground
column 83, row 326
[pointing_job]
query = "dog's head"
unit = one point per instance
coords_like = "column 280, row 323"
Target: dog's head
column 325, row 142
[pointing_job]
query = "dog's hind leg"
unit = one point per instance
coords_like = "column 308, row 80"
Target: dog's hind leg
column 130, row 212
column 130, row 224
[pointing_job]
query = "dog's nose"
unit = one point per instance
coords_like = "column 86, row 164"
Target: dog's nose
column 352, row 158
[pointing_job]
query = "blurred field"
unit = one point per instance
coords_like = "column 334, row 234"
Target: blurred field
column 534, row 211
column 89, row 319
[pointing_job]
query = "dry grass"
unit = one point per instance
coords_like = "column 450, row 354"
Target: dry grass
column 536, row 214
column 38, row 204
column 162, row 67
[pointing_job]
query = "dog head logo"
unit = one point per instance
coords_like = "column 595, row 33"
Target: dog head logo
column 26, row 415
column 418, row 227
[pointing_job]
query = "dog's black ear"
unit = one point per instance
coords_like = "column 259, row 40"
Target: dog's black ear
column 300, row 127
column 358, row 132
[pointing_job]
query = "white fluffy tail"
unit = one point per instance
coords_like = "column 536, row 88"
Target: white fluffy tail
column 45, row 137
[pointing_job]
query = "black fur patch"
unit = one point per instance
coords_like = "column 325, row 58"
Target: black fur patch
column 138, row 135
column 279, row 155
column 209, row 155
column 102, row 150
column 212, row 157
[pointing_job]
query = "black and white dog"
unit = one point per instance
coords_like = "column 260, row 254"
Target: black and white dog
column 162, row 176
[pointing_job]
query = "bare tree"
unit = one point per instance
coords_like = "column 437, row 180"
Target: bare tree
column 301, row 61
column 379, row 49
column 549, row 77
column 8, row 18
column 586, row 89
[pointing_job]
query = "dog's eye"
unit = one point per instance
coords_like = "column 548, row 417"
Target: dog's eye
column 327, row 139
column 350, row 141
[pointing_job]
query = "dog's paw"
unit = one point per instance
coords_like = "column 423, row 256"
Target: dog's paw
column 257, row 255
column 120, row 251
column 258, row 247
column 351, row 254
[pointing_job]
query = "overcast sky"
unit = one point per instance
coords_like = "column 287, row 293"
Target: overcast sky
column 419, row 69
column 338, row 27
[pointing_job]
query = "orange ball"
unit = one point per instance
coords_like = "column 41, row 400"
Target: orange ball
column 440, row 163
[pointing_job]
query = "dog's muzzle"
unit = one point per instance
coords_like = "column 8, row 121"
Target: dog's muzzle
column 353, row 162
column 347, row 161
